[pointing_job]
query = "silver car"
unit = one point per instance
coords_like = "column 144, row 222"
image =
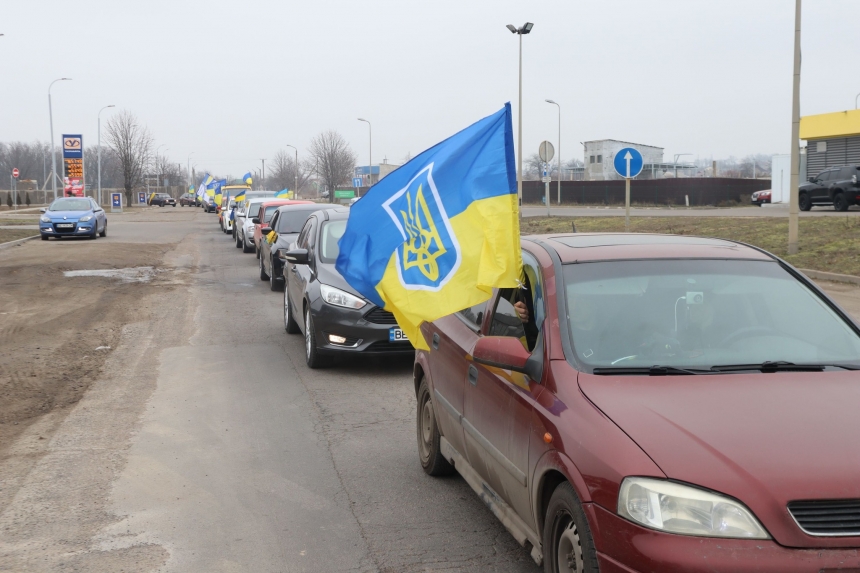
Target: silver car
column 243, row 228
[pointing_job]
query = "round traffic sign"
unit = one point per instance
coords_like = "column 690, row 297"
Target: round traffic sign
column 15, row 173
column 546, row 151
column 628, row 162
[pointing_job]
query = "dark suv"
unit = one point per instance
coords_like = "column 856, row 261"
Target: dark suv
column 835, row 186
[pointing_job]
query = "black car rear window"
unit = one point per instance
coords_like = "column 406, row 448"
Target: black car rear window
column 290, row 222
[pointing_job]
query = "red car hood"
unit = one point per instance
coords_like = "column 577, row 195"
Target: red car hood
column 765, row 439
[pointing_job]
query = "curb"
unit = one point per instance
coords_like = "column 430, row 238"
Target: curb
column 17, row 242
column 823, row 276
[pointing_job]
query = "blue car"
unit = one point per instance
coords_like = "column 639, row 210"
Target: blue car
column 73, row 217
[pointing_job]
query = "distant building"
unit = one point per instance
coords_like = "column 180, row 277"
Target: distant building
column 600, row 155
column 371, row 175
column 832, row 139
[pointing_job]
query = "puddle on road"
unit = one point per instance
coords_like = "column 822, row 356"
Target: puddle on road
column 130, row 275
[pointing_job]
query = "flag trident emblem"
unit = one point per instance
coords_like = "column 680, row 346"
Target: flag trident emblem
column 429, row 254
column 425, row 244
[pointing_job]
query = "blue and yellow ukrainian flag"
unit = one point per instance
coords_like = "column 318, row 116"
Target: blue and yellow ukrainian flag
column 283, row 194
column 439, row 233
column 240, row 196
column 218, row 185
column 204, row 185
column 247, row 178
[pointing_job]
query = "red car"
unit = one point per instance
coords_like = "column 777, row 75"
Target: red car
column 268, row 209
column 760, row 197
column 650, row 403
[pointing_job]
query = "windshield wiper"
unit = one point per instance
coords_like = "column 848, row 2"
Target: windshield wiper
column 770, row 366
column 650, row 371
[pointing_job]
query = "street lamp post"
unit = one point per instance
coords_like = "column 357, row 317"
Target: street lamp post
column 53, row 151
column 369, row 153
column 525, row 29
column 794, row 185
column 855, row 101
column 100, row 150
column 559, row 147
column 188, row 172
column 296, row 190
column 675, row 161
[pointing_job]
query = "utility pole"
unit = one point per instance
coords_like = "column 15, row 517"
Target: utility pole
column 794, row 184
column 263, row 175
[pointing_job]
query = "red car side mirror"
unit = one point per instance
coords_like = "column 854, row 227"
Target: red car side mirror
column 502, row 352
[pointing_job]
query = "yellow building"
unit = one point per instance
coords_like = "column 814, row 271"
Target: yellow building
column 832, row 139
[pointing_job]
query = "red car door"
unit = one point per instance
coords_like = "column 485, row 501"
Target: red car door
column 451, row 339
column 499, row 403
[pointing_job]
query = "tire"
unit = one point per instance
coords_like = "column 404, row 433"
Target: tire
column 263, row 275
column 839, row 202
column 45, row 237
column 275, row 285
column 95, row 234
column 256, row 251
column 567, row 542
column 427, row 431
column 312, row 356
column 238, row 241
column 104, row 231
column 804, row 202
column 290, row 324
column 245, row 247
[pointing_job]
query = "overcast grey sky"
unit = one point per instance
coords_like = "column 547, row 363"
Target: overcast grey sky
column 234, row 81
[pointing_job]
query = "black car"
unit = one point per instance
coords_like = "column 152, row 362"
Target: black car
column 162, row 199
column 287, row 222
column 318, row 302
column 189, row 199
column 837, row 186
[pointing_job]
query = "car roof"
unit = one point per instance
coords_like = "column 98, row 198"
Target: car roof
column 592, row 247
column 279, row 202
column 299, row 206
column 335, row 213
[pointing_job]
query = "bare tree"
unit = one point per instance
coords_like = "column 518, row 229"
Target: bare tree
column 334, row 160
column 31, row 159
column 133, row 146
column 533, row 168
column 283, row 172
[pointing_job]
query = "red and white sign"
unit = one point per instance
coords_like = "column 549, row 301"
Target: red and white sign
column 15, row 173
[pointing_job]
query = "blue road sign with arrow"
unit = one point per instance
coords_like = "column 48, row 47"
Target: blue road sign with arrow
column 628, row 162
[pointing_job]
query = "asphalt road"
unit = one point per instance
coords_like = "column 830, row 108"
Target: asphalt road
column 208, row 446
column 766, row 211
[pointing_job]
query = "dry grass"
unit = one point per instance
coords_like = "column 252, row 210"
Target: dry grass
column 830, row 244
column 7, row 235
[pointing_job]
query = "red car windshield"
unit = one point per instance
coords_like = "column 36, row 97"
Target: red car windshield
column 697, row 314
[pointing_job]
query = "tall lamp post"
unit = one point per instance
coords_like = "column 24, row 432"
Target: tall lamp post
column 53, row 150
column 188, row 172
column 296, row 171
column 100, row 150
column 369, row 154
column 525, row 29
column 559, row 147
column 794, row 185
